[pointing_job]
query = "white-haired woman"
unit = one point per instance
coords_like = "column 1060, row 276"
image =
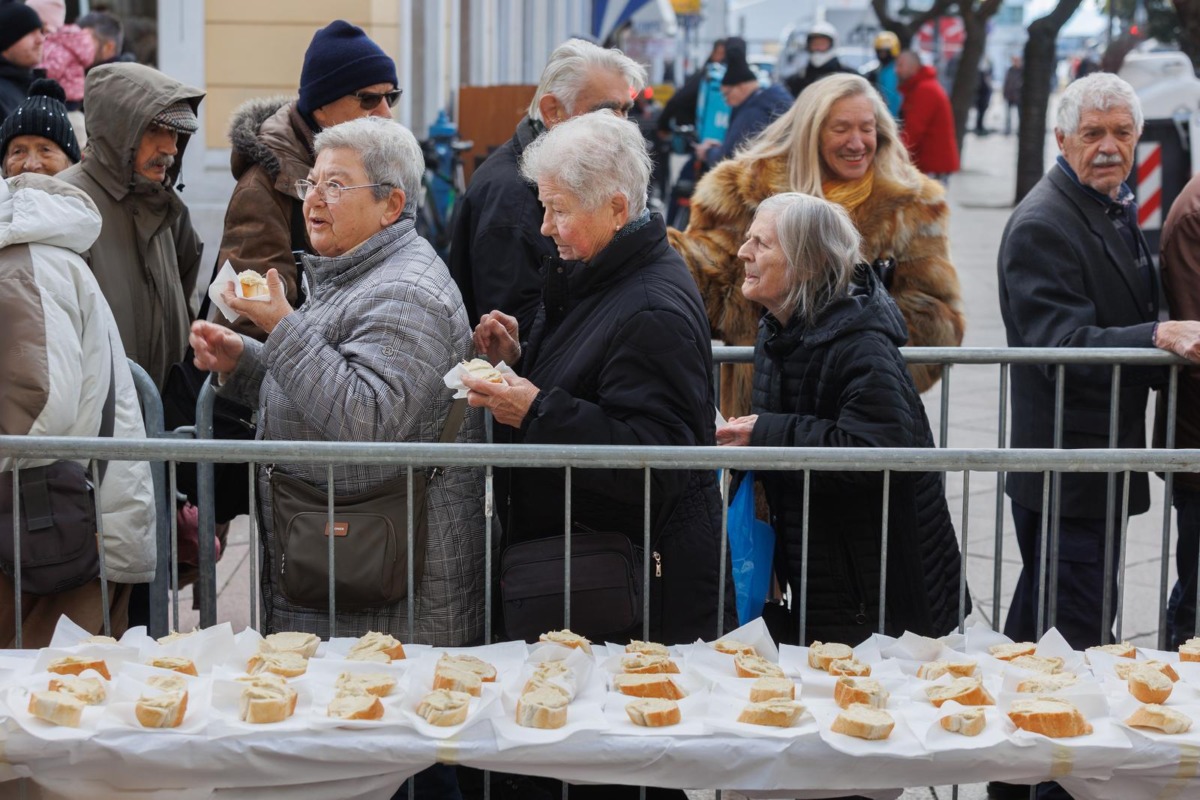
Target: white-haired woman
column 619, row 354
column 362, row 360
column 496, row 254
column 828, row 373
column 838, row 142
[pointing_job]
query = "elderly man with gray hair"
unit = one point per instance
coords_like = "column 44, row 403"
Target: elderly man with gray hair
column 497, row 252
column 1075, row 271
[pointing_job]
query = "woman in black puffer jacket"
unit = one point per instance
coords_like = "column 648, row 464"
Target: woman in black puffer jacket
column 828, row 373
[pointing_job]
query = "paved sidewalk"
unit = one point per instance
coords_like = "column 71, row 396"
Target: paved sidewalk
column 981, row 198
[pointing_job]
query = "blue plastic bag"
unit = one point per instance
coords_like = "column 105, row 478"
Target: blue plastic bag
column 751, row 550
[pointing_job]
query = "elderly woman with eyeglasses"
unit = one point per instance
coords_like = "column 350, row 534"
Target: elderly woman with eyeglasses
column 618, row 354
column 828, row 373
column 362, row 361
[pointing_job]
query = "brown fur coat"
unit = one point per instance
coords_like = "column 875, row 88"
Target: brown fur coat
column 896, row 222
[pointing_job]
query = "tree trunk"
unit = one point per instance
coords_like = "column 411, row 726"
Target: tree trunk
column 1188, row 12
column 1040, row 61
column 966, row 77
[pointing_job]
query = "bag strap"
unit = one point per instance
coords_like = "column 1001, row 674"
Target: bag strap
column 35, row 491
column 454, row 420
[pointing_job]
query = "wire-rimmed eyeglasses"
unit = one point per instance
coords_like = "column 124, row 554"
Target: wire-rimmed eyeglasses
column 330, row 191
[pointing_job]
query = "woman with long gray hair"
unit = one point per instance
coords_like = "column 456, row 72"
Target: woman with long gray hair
column 828, row 373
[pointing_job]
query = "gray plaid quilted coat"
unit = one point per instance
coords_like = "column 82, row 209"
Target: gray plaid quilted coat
column 362, row 360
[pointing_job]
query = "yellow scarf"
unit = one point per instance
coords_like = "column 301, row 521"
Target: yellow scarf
column 849, row 194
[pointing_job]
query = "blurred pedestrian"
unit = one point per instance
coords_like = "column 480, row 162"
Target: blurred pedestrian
column 680, row 109
column 753, row 107
column 883, row 77
column 68, row 53
column 37, row 136
column 821, row 46
column 983, row 95
column 21, row 41
column 498, row 251
column 928, row 130
column 1014, row 81
column 108, row 35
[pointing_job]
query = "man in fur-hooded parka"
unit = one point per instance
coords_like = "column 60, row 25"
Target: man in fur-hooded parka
column 910, row 225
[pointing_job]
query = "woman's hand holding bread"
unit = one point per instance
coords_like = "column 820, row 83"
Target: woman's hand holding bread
column 266, row 314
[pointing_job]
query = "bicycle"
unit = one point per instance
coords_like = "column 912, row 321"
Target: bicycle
column 441, row 185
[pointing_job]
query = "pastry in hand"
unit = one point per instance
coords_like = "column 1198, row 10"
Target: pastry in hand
column 253, row 284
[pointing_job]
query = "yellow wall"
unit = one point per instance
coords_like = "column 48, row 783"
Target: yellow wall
column 256, row 49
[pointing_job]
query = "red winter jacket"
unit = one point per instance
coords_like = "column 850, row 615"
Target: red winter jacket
column 928, row 130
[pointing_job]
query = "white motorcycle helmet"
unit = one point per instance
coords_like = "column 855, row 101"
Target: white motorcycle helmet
column 821, row 57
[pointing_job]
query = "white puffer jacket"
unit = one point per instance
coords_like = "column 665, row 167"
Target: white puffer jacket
column 60, row 339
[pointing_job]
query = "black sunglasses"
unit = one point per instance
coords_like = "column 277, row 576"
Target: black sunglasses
column 369, row 100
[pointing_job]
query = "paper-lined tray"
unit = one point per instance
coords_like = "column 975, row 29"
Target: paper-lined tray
column 322, row 678
column 693, row 711
column 131, row 685
column 1105, row 735
column 226, row 714
column 419, row 677
column 926, row 724
column 901, row 743
column 16, row 699
column 729, row 698
column 585, row 711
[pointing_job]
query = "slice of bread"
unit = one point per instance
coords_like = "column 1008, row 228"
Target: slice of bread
column 645, row 663
column 968, row 722
column 932, row 670
column 376, row 642
column 541, row 708
column 533, row 684
column 1124, row 668
column 304, row 644
column 1190, row 650
column 1049, row 716
column 480, row 368
column 57, row 708
column 1007, row 652
column 373, row 683
column 175, row 636
column 74, row 665
column 821, row 655
column 848, row 666
column 287, row 665
column 867, row 691
column 1046, row 684
column 444, row 708
column 375, row 656
column 552, row 669
column 567, row 639
column 732, row 647
column 355, row 706
column 1149, row 685
column 274, row 684
column 184, row 666
column 777, row 713
column 1160, row 718
column 90, row 690
column 485, row 671
column 748, row 666
column 964, row 691
column 765, row 689
column 648, row 648
column 655, row 685
column 168, row 683
column 165, row 710
column 864, row 722
column 653, row 712
column 1117, row 649
column 1050, row 665
column 263, row 704
column 457, row 680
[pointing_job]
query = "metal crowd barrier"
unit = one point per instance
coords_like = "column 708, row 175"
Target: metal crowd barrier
column 162, row 451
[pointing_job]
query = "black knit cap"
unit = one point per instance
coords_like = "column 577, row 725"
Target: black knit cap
column 44, row 114
column 736, row 69
column 17, row 21
column 340, row 60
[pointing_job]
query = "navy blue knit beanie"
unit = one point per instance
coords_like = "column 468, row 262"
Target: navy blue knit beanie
column 341, row 60
column 43, row 114
column 17, row 21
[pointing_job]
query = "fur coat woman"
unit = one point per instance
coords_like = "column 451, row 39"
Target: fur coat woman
column 908, row 225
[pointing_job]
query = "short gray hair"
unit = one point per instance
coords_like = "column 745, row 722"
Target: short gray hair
column 1099, row 91
column 822, row 247
column 389, row 152
column 572, row 64
column 595, row 156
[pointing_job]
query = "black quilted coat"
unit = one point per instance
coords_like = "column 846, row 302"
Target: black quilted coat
column 843, row 383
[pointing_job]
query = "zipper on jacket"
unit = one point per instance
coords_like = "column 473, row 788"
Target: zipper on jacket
column 861, row 617
column 657, row 564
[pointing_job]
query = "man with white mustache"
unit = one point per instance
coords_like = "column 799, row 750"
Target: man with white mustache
column 148, row 254
column 1075, row 271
